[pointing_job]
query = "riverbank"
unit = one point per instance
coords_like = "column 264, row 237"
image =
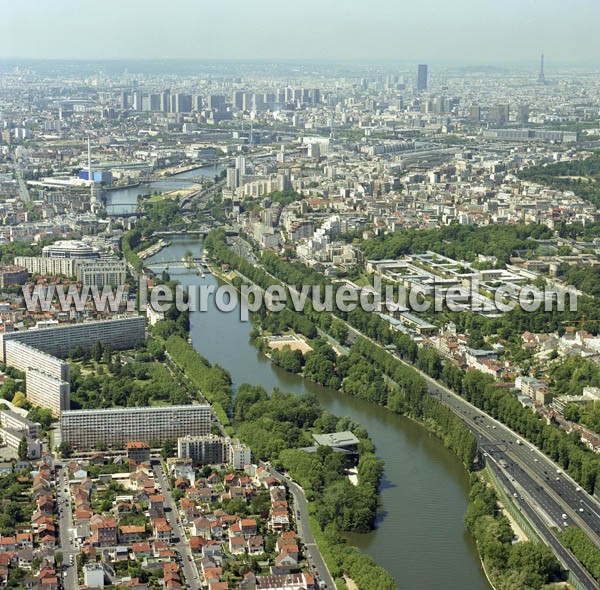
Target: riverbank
column 360, row 497
column 414, row 395
column 424, row 490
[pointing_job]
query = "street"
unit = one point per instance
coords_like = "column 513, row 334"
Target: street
column 180, row 542
column 300, row 505
column 65, row 527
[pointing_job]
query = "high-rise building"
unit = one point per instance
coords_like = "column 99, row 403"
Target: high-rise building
column 523, row 114
column 115, row 427
column 422, row 77
column 232, row 178
column 137, row 100
column 240, row 165
column 124, row 101
column 203, row 449
column 119, row 334
column 498, row 114
column 238, row 99
column 216, row 101
column 475, row 113
column 155, row 102
column 165, row 101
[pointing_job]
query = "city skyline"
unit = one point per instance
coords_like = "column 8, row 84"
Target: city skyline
column 464, row 31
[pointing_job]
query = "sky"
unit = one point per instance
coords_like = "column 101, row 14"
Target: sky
column 447, row 31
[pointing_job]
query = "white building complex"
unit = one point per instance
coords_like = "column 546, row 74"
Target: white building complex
column 214, row 450
column 118, row 334
column 78, row 260
column 35, row 353
column 88, row 429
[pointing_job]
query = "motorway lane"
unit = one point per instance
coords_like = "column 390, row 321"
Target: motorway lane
column 65, row 529
column 546, row 533
column 182, row 545
column 533, row 499
column 535, row 469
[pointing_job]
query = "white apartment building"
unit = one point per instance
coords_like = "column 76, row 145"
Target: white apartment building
column 86, row 429
column 119, row 334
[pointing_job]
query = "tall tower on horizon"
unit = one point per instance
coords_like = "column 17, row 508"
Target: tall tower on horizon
column 422, row 77
column 542, row 77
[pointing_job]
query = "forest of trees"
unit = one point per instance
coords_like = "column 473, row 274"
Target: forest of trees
column 115, row 383
column 581, row 546
column 212, row 381
column 580, row 176
column 277, row 427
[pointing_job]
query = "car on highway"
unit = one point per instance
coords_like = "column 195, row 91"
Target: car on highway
column 564, row 516
column 577, row 489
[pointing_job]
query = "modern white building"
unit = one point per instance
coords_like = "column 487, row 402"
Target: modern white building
column 86, row 429
column 118, row 334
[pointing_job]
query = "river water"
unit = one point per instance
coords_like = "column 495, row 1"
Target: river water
column 420, row 536
column 123, row 201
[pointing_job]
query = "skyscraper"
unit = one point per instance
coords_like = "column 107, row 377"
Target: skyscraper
column 165, row 101
column 422, row 77
column 523, row 114
column 137, row 100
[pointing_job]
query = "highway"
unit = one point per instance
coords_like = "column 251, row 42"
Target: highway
column 65, row 528
column 543, row 491
column 23, row 190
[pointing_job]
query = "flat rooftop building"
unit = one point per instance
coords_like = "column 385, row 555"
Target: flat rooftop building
column 115, row 427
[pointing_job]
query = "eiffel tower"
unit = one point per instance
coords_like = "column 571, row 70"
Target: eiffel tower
column 542, row 77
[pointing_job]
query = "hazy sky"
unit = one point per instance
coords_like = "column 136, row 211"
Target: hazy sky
column 463, row 31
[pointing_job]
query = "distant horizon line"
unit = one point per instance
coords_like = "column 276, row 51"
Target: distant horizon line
column 344, row 60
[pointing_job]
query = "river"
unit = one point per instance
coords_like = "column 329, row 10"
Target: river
column 123, row 201
column 420, row 538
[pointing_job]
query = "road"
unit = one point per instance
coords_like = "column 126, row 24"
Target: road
column 303, row 525
column 23, row 190
column 180, row 542
column 65, row 529
column 544, row 492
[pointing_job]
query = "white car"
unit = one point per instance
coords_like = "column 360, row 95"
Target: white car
column 577, row 489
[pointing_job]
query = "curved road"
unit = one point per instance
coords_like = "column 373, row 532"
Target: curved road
column 303, row 525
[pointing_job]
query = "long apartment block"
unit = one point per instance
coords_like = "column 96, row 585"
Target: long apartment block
column 114, row 427
column 35, row 353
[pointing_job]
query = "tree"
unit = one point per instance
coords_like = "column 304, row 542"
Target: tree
column 65, row 449
column 23, row 450
column 41, row 415
column 97, row 351
column 20, row 400
column 339, row 331
column 168, row 448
